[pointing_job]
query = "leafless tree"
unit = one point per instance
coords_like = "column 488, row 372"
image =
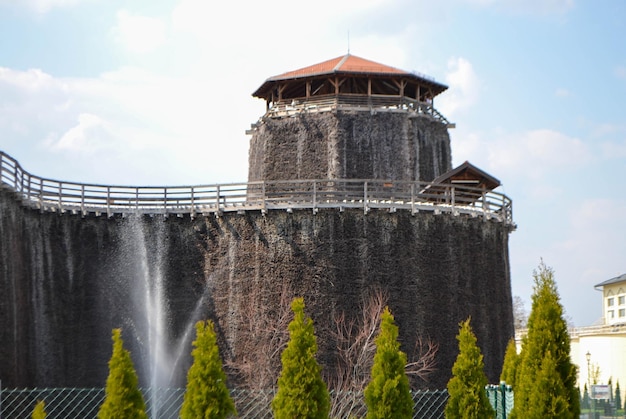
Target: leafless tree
column 520, row 315
column 355, row 355
column 264, row 332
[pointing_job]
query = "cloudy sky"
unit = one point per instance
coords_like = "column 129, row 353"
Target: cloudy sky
column 159, row 93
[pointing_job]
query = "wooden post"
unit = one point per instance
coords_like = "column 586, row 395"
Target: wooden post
column 165, row 201
column 263, row 196
column 193, row 208
column 82, row 199
column 314, row 196
column 60, row 193
column 365, row 197
column 108, row 201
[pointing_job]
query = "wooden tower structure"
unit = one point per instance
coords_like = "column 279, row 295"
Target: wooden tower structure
column 349, row 118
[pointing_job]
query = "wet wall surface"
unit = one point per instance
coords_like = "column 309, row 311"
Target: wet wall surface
column 350, row 145
column 66, row 281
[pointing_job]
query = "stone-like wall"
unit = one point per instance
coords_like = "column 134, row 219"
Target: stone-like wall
column 350, row 145
column 65, row 281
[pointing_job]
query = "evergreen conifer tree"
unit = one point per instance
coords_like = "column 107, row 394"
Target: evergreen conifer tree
column 618, row 396
column 388, row 394
column 548, row 398
column 301, row 391
column 510, row 364
column 206, row 395
column 39, row 412
column 468, row 398
column 547, row 345
column 123, row 398
column 585, row 402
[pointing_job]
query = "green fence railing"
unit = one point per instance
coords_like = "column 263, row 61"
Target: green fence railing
column 501, row 399
column 165, row 403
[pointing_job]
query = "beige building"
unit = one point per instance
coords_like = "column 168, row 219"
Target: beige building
column 602, row 348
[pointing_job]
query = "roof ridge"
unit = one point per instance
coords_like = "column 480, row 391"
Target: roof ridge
column 341, row 62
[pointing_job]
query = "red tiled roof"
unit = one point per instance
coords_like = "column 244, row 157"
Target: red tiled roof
column 348, row 66
column 344, row 64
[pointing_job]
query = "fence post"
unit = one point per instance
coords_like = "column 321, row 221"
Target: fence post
column 365, row 197
column 60, row 197
column 503, row 395
column 82, row 199
column 193, row 207
column 314, row 196
column 165, row 200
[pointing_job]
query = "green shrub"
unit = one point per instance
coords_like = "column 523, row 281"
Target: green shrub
column 301, row 391
column 39, row 412
column 123, row 398
column 207, row 395
column 546, row 350
column 468, row 398
column 388, row 394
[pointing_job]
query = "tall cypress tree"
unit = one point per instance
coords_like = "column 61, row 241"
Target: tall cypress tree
column 510, row 364
column 206, row 395
column 618, row 396
column 123, row 398
column 388, row 394
column 585, row 402
column 549, row 398
column 546, row 347
column 468, row 398
column 301, row 391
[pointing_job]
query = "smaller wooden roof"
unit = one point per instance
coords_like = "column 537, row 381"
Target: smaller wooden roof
column 348, row 65
column 468, row 175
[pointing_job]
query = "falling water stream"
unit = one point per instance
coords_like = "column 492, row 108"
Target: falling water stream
column 151, row 310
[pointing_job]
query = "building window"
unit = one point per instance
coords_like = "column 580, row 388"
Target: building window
column 610, row 302
column 622, row 312
column 611, row 314
column 621, row 300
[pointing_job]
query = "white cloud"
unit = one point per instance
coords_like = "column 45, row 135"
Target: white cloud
column 42, row 6
column 594, row 239
column 139, row 34
column 463, row 86
column 29, row 80
column 533, row 153
column 614, row 150
column 90, row 135
column 138, row 120
column 531, row 7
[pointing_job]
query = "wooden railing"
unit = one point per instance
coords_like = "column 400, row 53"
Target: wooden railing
column 79, row 198
column 352, row 101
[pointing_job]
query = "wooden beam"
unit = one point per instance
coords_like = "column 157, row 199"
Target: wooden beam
column 401, row 85
column 281, row 88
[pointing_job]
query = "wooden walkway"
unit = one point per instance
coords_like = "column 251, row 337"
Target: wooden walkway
column 91, row 199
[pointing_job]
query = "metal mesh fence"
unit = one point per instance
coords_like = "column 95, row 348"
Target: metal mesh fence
column 81, row 403
column 501, row 399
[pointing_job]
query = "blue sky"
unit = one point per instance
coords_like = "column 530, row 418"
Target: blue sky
column 159, row 93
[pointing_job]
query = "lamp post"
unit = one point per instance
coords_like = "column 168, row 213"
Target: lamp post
column 588, row 356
